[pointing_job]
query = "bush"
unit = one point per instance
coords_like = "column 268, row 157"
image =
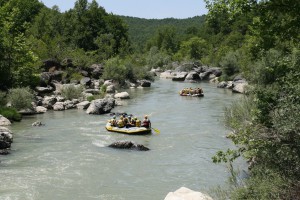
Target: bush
column 76, row 76
column 10, row 113
column 264, row 184
column 230, row 64
column 156, row 58
column 71, row 92
column 90, row 98
column 20, row 98
column 116, row 70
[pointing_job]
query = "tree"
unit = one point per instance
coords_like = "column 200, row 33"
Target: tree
column 194, row 48
column 165, row 39
column 119, row 30
column 17, row 63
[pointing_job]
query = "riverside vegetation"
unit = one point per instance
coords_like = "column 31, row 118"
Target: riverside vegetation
column 258, row 40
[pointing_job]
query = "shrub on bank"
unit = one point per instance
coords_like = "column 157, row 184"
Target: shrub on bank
column 71, row 92
column 10, row 113
column 20, row 98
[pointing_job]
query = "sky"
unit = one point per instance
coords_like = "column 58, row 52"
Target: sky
column 149, row 9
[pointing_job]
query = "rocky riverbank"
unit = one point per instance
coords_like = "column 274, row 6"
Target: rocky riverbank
column 195, row 72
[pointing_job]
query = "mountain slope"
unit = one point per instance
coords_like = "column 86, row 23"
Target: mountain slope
column 140, row 30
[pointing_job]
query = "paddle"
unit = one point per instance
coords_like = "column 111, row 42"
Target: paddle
column 156, row 130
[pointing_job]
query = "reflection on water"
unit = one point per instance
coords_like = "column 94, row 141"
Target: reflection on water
column 69, row 159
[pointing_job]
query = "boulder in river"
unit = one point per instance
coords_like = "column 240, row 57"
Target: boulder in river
column 144, row 83
column 128, row 145
column 6, row 138
column 101, row 106
column 37, row 123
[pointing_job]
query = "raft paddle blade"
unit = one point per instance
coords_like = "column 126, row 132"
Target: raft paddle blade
column 156, row 130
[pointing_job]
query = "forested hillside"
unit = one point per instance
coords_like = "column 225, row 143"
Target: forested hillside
column 141, row 30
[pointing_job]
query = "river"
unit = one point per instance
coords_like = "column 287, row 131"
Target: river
column 68, row 158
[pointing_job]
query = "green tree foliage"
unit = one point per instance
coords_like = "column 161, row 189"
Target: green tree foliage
column 262, row 40
column 156, row 58
column 116, row 69
column 230, row 64
column 121, row 70
column 165, row 39
column 276, row 21
column 17, row 60
column 141, row 30
column 194, row 49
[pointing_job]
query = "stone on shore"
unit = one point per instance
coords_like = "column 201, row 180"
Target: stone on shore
column 184, row 193
column 110, row 89
column 59, row 106
column 167, row 74
column 4, row 121
column 122, row 95
column 83, row 105
column 144, row 83
column 180, row 76
column 240, row 87
column 192, row 76
column 40, row 109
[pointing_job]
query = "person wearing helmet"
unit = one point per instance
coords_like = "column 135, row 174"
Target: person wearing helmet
column 113, row 121
column 121, row 122
column 128, row 122
column 146, row 122
column 132, row 121
column 137, row 122
column 125, row 120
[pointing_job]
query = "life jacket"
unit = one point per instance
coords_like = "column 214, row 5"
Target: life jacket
column 138, row 123
column 133, row 123
column 146, row 123
column 113, row 122
column 125, row 120
column 120, row 123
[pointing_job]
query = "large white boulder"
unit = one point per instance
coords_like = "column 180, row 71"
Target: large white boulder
column 122, row 95
column 240, row 87
column 4, row 121
column 167, row 74
column 101, row 106
column 59, row 106
column 40, row 109
column 184, row 193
